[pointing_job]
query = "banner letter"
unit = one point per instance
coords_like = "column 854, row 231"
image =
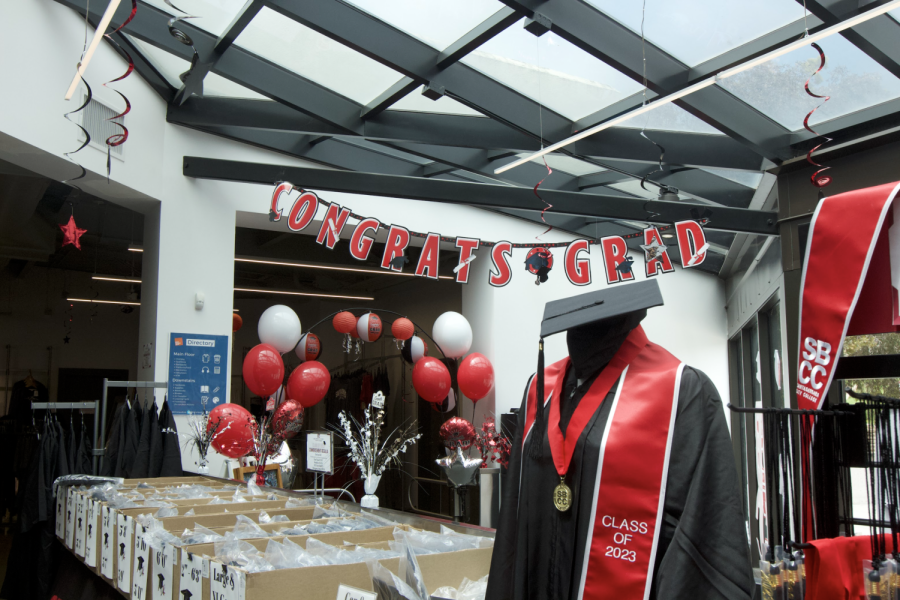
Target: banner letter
column 578, row 270
column 360, row 243
column 335, row 219
column 500, row 254
column 428, row 260
column 398, row 240
column 303, row 211
column 691, row 243
column 466, row 247
column 614, row 254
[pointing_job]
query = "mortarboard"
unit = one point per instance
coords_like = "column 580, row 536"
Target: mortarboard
column 585, row 309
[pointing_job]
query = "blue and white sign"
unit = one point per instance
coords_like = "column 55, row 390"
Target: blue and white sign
column 198, row 372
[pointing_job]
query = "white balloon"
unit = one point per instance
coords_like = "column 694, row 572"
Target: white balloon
column 453, row 334
column 279, row 326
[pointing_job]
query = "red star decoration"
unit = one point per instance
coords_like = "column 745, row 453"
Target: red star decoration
column 72, row 234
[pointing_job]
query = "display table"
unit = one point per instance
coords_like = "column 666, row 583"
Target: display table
column 114, row 544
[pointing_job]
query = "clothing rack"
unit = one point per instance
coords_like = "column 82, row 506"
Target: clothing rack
column 365, row 361
column 101, row 449
column 92, row 405
column 792, row 411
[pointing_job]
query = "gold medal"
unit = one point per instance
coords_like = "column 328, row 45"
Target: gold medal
column 562, row 496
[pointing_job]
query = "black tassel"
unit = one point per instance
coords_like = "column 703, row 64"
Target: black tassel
column 535, row 450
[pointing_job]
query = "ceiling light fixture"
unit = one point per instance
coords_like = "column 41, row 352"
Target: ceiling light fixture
column 122, row 279
column 328, row 267
column 261, row 291
column 95, row 41
column 103, row 301
column 753, row 62
column 133, row 248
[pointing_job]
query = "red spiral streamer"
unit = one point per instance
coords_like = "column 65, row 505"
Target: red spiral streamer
column 87, row 136
column 817, row 178
column 549, row 206
column 117, row 139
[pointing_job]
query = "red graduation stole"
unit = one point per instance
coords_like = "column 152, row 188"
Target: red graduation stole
column 630, row 484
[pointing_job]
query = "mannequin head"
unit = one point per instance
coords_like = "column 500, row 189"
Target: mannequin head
column 592, row 346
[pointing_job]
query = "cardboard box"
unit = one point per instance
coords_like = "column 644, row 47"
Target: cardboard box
column 196, row 567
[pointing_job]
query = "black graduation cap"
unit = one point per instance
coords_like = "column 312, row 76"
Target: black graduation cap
column 624, row 267
column 398, row 262
column 584, row 309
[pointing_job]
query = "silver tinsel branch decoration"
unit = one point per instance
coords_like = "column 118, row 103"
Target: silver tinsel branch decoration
column 372, row 454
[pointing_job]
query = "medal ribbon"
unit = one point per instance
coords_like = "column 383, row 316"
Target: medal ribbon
column 563, row 448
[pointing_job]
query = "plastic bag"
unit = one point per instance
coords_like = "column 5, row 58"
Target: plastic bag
column 388, row 586
column 411, row 573
column 296, row 530
column 245, row 528
column 189, row 513
column 343, row 556
column 253, row 489
column 321, row 511
column 427, row 542
column 237, row 553
column 166, row 511
column 200, row 535
column 238, row 497
column 468, row 590
column 877, row 580
column 264, row 517
column 288, row 555
column 479, row 540
column 299, row 502
column 771, row 581
column 382, row 521
column 220, row 500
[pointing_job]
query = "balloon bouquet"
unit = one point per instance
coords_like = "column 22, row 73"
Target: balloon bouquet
column 263, row 370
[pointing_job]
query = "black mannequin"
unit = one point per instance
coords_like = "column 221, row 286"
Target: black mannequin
column 591, row 347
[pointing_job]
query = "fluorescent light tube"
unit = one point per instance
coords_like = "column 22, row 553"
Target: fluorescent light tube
column 122, row 279
column 98, row 35
column 102, row 301
column 260, row 291
column 328, row 267
column 749, row 64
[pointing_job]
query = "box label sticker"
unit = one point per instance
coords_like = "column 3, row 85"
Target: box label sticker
column 124, row 529
column 345, row 592
column 141, row 564
column 90, row 533
column 80, row 523
column 163, row 571
column 192, row 574
column 225, row 583
column 70, row 518
column 60, row 512
column 107, row 541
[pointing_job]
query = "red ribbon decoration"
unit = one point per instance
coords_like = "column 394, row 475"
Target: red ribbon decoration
column 817, row 180
column 549, row 206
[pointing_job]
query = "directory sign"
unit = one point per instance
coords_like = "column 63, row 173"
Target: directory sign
column 198, row 372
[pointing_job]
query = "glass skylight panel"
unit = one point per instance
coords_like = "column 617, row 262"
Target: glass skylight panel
column 438, row 23
column 215, row 85
column 168, row 65
column 749, row 179
column 213, row 16
column 550, row 70
column 316, row 57
column 694, row 31
column 670, row 117
column 852, row 79
column 566, row 164
column 416, row 102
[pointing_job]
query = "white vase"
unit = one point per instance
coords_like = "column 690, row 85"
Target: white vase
column 370, row 500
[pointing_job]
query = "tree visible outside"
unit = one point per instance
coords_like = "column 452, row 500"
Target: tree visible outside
column 874, row 345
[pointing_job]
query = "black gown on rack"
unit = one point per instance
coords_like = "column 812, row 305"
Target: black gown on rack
column 703, row 551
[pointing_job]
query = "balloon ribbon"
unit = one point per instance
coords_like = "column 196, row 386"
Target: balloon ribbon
column 817, row 178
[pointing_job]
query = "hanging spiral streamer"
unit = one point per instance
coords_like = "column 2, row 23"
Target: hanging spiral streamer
column 182, row 37
column 117, row 139
column 87, row 137
column 817, row 178
column 549, row 206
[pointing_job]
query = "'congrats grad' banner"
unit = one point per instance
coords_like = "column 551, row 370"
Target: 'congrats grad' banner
column 692, row 245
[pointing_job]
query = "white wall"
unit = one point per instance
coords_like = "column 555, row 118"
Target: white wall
column 197, row 217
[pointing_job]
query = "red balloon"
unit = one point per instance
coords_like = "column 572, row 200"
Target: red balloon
column 309, row 383
column 475, row 376
column 263, row 370
column 235, row 430
column 431, row 379
column 403, row 328
column 287, row 421
column 344, row 322
column 236, row 322
column 457, row 431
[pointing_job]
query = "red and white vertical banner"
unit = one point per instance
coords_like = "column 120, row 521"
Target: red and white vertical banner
column 843, row 236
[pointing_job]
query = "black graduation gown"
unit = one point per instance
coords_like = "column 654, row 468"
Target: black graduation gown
column 73, row 448
column 702, row 552
column 141, row 466
column 84, row 463
column 171, row 461
column 130, row 439
column 155, row 452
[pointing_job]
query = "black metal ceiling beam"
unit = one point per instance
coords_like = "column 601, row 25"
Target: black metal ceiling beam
column 605, row 38
column 193, row 83
column 487, row 29
column 876, row 37
column 388, row 97
column 475, row 132
column 475, row 194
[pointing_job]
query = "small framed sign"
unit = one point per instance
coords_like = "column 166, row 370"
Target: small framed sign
column 320, row 452
column 378, row 400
